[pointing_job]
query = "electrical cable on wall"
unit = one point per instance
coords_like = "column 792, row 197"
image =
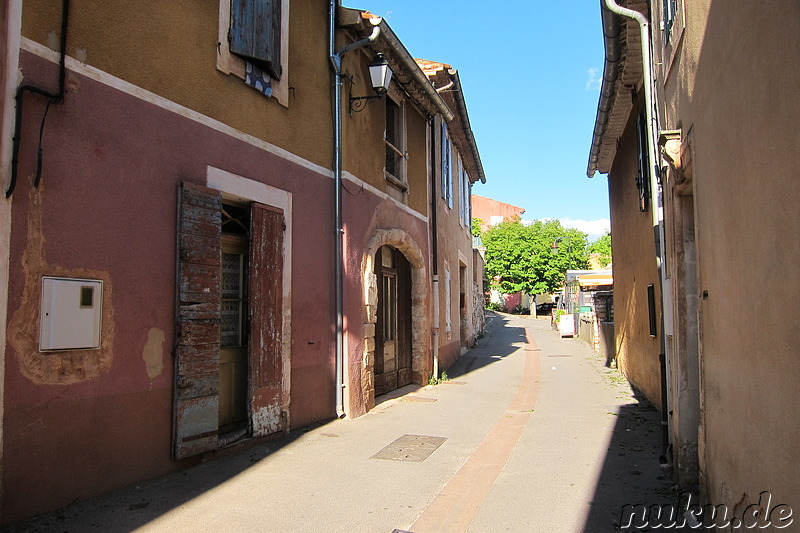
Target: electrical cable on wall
column 57, row 98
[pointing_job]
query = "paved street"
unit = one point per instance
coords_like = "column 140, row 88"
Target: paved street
column 534, row 434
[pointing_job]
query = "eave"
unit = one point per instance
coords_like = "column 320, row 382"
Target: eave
column 448, row 84
column 405, row 70
column 622, row 77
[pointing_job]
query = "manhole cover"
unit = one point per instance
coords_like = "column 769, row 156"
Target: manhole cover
column 413, row 448
column 421, row 399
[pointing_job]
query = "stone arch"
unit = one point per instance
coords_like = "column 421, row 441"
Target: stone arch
column 420, row 337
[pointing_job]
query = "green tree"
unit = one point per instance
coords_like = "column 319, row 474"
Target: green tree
column 602, row 246
column 476, row 227
column 533, row 258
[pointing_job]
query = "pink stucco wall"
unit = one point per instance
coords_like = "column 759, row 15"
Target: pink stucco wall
column 107, row 206
column 486, row 208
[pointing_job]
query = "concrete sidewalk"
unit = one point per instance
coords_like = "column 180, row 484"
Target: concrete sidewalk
column 536, row 435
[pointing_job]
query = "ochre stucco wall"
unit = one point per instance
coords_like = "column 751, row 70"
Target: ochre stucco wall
column 170, row 48
column 634, row 269
column 363, row 134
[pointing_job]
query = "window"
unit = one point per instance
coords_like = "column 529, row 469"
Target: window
column 448, row 324
column 394, row 139
column 253, row 44
column 643, row 172
column 672, row 26
column 669, row 8
column 447, row 164
column 464, row 199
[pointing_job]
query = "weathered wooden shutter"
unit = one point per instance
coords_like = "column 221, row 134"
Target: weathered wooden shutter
column 196, row 403
column 463, row 190
column 266, row 320
column 445, row 160
column 255, row 32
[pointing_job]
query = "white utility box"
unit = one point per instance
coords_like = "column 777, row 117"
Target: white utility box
column 71, row 314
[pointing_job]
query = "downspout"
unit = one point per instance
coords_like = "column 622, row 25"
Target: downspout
column 657, row 205
column 336, row 63
column 434, row 248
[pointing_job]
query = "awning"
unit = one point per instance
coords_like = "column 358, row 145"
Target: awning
column 595, row 280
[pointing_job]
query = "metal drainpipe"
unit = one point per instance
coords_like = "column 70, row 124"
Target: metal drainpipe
column 657, row 205
column 434, row 249
column 336, row 63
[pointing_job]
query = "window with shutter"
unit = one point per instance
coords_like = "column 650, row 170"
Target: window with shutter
column 668, row 13
column 395, row 144
column 253, row 44
column 255, row 32
column 447, row 168
column 643, row 174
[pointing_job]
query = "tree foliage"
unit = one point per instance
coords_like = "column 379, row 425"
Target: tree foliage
column 476, row 227
column 533, row 258
column 602, row 246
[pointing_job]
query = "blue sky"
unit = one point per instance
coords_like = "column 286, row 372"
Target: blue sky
column 530, row 71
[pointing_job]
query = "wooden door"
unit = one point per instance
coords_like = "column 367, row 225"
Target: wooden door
column 393, row 326
column 233, row 335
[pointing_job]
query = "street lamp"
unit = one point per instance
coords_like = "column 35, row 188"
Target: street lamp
column 380, row 75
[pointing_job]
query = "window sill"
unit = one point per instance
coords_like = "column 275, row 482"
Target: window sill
column 395, row 182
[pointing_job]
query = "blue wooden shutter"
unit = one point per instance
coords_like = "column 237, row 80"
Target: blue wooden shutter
column 255, row 32
column 445, row 160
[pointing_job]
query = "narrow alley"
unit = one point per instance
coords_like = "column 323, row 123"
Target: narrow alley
column 531, row 432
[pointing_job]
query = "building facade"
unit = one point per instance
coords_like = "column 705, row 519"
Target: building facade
column 721, row 122
column 170, row 254
column 492, row 212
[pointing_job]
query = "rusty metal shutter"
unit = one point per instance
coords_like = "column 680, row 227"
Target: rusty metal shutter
column 266, row 320
column 196, row 404
column 255, row 32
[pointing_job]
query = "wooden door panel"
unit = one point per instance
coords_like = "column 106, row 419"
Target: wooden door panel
column 266, row 320
column 196, row 404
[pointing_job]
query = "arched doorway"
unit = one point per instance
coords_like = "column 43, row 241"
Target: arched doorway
column 393, row 363
column 362, row 377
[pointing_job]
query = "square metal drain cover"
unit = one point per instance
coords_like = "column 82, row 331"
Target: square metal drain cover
column 419, row 399
column 413, row 448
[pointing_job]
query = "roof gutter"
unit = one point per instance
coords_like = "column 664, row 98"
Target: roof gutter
column 461, row 107
column 608, row 89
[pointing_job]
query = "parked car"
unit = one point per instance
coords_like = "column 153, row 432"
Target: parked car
column 545, row 308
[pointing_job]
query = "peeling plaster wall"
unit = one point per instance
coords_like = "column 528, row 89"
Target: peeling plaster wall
column 106, row 209
column 66, row 366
